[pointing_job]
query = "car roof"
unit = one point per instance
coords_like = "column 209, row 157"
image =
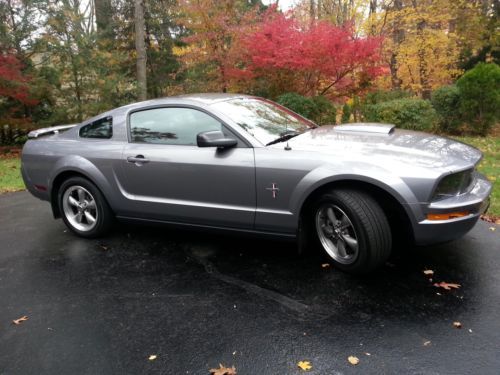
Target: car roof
column 200, row 99
column 210, row 98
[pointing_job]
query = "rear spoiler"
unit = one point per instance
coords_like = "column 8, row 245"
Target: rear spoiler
column 51, row 130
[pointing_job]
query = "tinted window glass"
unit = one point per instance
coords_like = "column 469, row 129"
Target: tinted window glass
column 263, row 119
column 175, row 126
column 102, row 128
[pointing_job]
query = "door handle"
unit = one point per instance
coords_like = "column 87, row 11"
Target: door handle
column 138, row 159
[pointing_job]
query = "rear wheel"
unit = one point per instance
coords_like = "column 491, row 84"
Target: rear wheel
column 352, row 230
column 84, row 208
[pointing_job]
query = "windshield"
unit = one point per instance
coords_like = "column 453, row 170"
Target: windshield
column 265, row 120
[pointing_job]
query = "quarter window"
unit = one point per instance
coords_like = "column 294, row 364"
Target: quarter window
column 102, row 128
column 171, row 126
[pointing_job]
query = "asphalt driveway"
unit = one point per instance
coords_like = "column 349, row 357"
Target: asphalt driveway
column 196, row 300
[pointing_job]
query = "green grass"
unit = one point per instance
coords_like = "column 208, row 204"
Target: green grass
column 10, row 172
column 490, row 165
column 10, row 175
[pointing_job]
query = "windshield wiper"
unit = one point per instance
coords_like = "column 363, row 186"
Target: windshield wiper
column 283, row 138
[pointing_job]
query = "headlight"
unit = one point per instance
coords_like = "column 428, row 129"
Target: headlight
column 454, row 184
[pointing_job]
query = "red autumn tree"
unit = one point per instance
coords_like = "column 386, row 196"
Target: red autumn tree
column 315, row 60
column 216, row 28
column 13, row 83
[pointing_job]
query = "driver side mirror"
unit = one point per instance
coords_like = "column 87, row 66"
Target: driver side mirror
column 215, row 138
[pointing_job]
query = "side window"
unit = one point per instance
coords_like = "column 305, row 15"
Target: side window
column 171, row 126
column 102, row 128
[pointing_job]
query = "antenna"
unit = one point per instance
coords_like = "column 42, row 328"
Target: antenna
column 287, row 147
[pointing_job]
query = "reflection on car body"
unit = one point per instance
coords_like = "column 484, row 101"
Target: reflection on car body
column 241, row 163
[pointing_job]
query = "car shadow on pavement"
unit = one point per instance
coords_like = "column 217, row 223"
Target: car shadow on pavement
column 305, row 286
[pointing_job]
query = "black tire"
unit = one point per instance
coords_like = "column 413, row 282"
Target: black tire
column 366, row 222
column 104, row 216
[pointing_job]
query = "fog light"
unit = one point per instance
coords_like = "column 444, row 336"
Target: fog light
column 447, row 216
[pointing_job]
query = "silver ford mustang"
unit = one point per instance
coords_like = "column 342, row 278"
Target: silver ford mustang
column 243, row 163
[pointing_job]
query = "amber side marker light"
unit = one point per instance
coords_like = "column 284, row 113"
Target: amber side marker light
column 447, row 216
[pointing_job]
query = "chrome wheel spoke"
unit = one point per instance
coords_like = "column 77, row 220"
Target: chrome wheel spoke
column 344, row 222
column 352, row 243
column 80, row 208
column 89, row 217
column 72, row 201
column 81, row 195
column 341, row 248
column 337, row 233
column 331, row 215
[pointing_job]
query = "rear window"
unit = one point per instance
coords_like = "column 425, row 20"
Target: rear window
column 102, row 128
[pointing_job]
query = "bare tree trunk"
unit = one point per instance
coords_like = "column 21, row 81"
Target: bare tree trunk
column 422, row 65
column 373, row 11
column 312, row 12
column 397, row 39
column 140, row 47
column 103, row 14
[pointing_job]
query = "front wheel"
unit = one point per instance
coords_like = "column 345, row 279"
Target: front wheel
column 84, row 209
column 352, row 230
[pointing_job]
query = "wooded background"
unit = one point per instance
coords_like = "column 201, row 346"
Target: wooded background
column 62, row 61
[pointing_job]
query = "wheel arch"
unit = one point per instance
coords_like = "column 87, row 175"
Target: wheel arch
column 82, row 169
column 397, row 213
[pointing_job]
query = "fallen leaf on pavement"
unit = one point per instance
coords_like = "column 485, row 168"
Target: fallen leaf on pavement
column 491, row 219
column 368, row 354
column 20, row 320
column 353, row 360
column 222, row 370
column 304, row 365
column 428, row 272
column 152, row 357
column 457, row 324
column 325, row 265
column 427, row 343
column 447, row 286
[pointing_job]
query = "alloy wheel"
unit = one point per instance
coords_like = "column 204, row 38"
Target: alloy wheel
column 80, row 208
column 337, row 234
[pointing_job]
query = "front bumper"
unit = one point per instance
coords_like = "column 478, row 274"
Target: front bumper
column 475, row 202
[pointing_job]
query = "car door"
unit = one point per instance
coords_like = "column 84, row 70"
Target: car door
column 166, row 176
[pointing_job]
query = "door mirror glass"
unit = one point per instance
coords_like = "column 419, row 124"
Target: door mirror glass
column 215, row 139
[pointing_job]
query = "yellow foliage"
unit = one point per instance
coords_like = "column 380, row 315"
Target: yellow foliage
column 180, row 51
column 433, row 33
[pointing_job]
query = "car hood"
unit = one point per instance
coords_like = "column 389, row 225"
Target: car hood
column 388, row 147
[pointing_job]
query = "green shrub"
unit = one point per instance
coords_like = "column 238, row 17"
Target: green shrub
column 302, row 105
column 318, row 109
column 346, row 113
column 409, row 113
column 10, row 136
column 325, row 111
column 381, row 96
column 446, row 102
column 480, row 97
